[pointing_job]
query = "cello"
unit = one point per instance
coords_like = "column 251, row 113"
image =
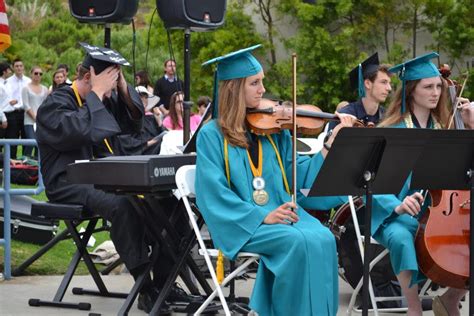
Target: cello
column 442, row 238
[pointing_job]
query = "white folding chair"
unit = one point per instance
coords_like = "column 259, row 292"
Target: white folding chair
column 185, row 183
column 374, row 299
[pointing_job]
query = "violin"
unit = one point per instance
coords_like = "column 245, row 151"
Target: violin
column 442, row 239
column 271, row 117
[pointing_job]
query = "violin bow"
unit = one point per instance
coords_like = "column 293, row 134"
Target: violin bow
column 455, row 106
column 293, row 195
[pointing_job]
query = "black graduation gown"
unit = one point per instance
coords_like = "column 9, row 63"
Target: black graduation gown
column 136, row 143
column 66, row 133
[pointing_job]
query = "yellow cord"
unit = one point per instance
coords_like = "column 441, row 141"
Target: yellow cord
column 79, row 102
column 220, row 267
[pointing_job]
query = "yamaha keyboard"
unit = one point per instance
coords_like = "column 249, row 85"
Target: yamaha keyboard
column 130, row 174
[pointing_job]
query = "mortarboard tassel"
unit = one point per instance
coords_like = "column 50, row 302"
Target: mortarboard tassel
column 361, row 89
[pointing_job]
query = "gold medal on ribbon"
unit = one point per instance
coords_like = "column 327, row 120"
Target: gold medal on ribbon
column 260, row 197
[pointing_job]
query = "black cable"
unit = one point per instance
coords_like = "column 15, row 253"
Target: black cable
column 148, row 40
column 134, row 42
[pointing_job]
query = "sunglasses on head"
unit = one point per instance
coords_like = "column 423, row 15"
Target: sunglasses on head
column 38, row 73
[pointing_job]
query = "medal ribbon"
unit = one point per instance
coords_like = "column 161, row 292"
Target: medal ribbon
column 257, row 171
column 227, row 169
column 79, row 102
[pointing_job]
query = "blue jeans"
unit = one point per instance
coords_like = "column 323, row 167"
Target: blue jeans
column 30, row 134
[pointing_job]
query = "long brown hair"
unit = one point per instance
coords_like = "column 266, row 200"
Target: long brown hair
column 232, row 111
column 173, row 110
column 394, row 116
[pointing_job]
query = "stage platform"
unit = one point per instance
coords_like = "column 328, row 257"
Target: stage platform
column 14, row 295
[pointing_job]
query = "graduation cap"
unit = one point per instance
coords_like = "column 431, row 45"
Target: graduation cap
column 418, row 68
column 101, row 58
column 364, row 70
column 238, row 64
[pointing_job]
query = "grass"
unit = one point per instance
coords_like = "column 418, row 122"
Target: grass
column 56, row 260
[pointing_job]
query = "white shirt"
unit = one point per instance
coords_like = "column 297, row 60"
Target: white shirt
column 4, row 99
column 14, row 87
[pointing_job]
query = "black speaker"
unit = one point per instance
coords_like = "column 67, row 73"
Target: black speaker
column 103, row 11
column 193, row 14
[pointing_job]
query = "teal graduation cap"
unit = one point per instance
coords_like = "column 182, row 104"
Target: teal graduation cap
column 238, row 64
column 420, row 67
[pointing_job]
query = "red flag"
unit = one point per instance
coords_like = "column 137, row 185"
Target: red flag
column 5, row 39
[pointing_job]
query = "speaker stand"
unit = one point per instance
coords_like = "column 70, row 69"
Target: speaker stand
column 187, row 104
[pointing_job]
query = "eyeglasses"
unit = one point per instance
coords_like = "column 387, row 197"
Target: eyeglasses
column 38, row 73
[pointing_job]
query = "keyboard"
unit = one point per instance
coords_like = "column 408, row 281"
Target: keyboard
column 130, row 174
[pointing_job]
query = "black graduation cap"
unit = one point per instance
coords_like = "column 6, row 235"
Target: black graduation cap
column 101, row 58
column 364, row 70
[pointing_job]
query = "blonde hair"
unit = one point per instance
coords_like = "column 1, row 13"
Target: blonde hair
column 394, row 116
column 232, row 111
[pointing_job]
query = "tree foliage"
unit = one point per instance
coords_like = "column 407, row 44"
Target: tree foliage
column 331, row 37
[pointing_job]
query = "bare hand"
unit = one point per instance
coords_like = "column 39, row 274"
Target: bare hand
column 104, row 82
column 4, row 125
column 282, row 215
column 151, row 142
column 122, row 83
column 411, row 204
column 346, row 120
column 467, row 112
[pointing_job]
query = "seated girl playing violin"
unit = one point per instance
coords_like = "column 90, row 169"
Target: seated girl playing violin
column 243, row 193
column 420, row 103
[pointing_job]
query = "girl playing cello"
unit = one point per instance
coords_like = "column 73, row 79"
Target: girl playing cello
column 421, row 102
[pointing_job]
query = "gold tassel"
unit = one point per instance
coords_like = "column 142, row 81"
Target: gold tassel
column 220, row 267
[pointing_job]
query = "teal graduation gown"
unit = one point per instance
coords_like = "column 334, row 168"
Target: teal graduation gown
column 297, row 274
column 397, row 232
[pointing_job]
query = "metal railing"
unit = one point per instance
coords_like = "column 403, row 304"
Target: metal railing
column 7, row 191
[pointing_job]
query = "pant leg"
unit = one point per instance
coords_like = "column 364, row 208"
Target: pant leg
column 127, row 231
column 13, row 131
column 169, row 207
column 29, row 134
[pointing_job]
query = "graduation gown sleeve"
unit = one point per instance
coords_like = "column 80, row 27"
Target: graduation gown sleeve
column 307, row 169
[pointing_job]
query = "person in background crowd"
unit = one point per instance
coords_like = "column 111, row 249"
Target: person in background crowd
column 372, row 82
column 65, row 69
column 202, row 103
column 33, row 94
column 143, row 79
column 174, row 120
column 167, row 85
column 5, row 72
column 15, row 112
column 59, row 78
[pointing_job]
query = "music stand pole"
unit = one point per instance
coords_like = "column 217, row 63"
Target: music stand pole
column 187, row 86
column 470, row 174
column 368, row 177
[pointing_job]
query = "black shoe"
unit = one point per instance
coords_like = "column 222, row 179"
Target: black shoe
column 177, row 294
column 147, row 299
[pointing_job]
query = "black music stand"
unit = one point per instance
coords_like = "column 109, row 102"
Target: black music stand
column 371, row 161
column 447, row 162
